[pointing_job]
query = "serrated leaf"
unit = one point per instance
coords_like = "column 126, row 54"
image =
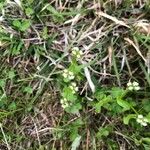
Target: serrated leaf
column 128, row 117
column 76, row 143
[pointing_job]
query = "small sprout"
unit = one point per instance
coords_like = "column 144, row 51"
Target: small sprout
column 73, row 87
column 133, row 86
column 65, row 103
column 68, row 74
column 142, row 120
column 77, row 53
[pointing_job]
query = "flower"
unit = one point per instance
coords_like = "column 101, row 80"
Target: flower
column 68, row 74
column 77, row 53
column 142, row 120
column 73, row 87
column 65, row 103
column 133, row 86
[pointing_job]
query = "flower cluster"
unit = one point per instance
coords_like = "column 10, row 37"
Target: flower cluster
column 70, row 91
column 65, row 103
column 77, row 53
column 73, row 87
column 142, row 120
column 68, row 74
column 133, row 86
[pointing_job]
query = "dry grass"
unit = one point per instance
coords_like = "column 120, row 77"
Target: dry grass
column 114, row 36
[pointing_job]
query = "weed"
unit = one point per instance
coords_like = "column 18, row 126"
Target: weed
column 74, row 75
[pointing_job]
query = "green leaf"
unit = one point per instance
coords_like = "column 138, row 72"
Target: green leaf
column 147, row 140
column 30, row 1
column 148, row 117
column 17, row 23
column 55, row 12
column 28, row 89
column 76, row 143
column 73, row 134
column 41, row 147
column 75, row 68
column 29, row 11
column 117, row 92
column 25, row 25
column 146, row 147
column 45, row 33
column 146, row 105
column 66, row 80
column 102, row 102
column 114, row 108
column 17, row 48
column 128, row 117
column 74, row 109
column 77, row 123
column 12, row 106
column 2, row 83
column 11, row 74
column 103, row 132
column 67, row 93
column 124, row 104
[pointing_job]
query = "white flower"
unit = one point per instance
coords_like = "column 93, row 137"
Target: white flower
column 68, row 74
column 144, row 124
column 65, row 103
column 130, row 88
column 133, row 86
column 73, row 87
column 142, row 120
column 137, row 88
column 77, row 53
column 129, row 84
column 140, row 116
